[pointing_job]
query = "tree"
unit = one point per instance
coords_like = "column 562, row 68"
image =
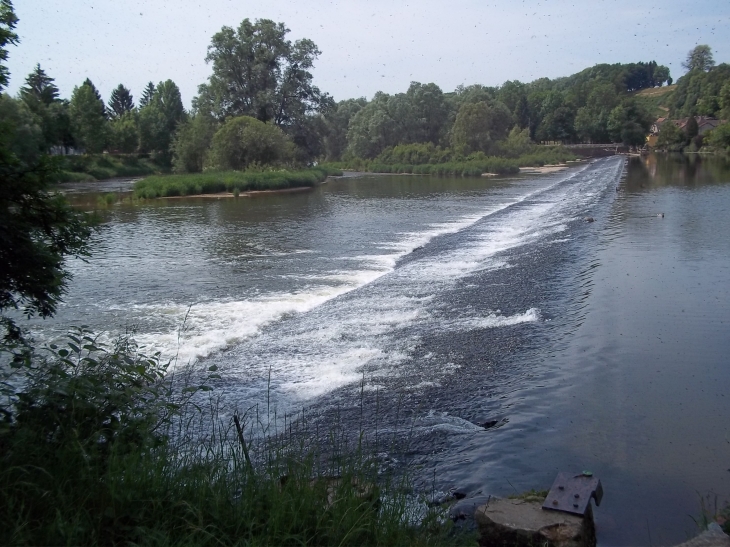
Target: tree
column 39, row 87
column 661, row 75
column 159, row 119
column 123, row 134
column 89, row 124
column 257, row 72
column 120, row 102
column 692, row 128
column 700, row 58
column 478, row 127
column 27, row 141
column 244, row 140
column 147, row 95
column 337, row 125
column 671, row 137
column 88, row 82
column 8, row 20
column 191, row 144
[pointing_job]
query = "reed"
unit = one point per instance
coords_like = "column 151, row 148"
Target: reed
column 105, row 445
column 229, row 181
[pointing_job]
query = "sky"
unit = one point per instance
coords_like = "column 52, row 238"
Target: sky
column 367, row 46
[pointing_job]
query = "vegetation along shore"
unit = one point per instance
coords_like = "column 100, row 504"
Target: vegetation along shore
column 103, row 444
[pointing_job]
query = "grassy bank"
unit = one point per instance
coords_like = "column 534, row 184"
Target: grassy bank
column 472, row 166
column 229, row 181
column 90, row 168
column 105, row 446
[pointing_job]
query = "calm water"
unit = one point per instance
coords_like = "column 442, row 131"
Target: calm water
column 451, row 302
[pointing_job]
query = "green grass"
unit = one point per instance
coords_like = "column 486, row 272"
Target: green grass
column 105, row 446
column 468, row 167
column 90, row 168
column 229, row 181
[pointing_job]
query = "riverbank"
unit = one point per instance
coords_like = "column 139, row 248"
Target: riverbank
column 101, row 167
column 229, row 182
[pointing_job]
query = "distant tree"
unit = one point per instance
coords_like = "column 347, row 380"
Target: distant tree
column 518, row 142
column 8, row 20
column 724, row 100
column 159, row 119
column 192, row 143
column 89, row 124
column 478, row 127
column 123, row 134
column 257, row 72
column 102, row 106
column 120, row 102
column 691, row 129
column 661, row 75
column 244, row 140
column 700, row 58
column 629, row 123
column 24, row 135
column 337, row 124
column 671, row 137
column 147, row 95
column 39, row 87
column 720, row 137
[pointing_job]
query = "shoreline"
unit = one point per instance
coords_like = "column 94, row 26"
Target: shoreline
column 247, row 194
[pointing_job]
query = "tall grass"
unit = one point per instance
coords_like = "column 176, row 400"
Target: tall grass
column 473, row 165
column 89, row 168
column 107, row 446
column 229, row 181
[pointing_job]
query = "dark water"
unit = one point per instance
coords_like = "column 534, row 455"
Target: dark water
column 423, row 307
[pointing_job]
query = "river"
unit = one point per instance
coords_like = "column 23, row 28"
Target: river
column 426, row 307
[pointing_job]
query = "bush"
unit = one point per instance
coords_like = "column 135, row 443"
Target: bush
column 102, row 447
column 243, row 141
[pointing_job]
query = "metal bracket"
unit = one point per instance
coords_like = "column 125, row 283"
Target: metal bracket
column 572, row 493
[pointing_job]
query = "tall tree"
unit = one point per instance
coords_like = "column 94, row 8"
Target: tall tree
column 159, row 119
column 90, row 84
column 257, row 72
column 88, row 118
column 8, row 20
column 700, row 58
column 147, row 95
column 479, row 126
column 120, row 102
column 39, row 87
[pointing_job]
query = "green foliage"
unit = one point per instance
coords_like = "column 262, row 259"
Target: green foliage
column 229, row 181
column 39, row 87
column 8, row 20
column 478, row 127
column 257, row 72
column 699, row 92
column 629, row 123
column 337, row 124
column 671, row 137
column 88, row 122
column 159, row 119
column 700, row 58
column 38, row 231
column 88, row 168
column 104, row 445
column 24, row 136
column 120, row 102
column 191, row 144
column 123, row 135
column 243, row 141
column 517, row 143
column 719, row 137
column 147, row 95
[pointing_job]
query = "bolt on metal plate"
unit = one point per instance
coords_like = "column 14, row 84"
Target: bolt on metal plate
column 572, row 493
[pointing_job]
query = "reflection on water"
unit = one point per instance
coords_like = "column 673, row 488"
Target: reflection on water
column 456, row 302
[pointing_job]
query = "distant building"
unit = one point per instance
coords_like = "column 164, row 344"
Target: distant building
column 704, row 124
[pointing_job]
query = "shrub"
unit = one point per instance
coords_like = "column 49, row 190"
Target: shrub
column 243, row 140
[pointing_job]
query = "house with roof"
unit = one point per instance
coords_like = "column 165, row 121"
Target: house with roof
column 704, row 124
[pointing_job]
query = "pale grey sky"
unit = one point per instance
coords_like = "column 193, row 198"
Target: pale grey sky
column 366, row 46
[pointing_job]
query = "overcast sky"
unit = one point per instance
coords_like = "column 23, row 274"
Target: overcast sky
column 366, row 46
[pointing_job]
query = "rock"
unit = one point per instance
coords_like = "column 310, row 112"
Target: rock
column 712, row 537
column 589, row 219
column 519, row 523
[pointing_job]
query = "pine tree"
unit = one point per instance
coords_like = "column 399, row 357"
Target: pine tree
column 147, row 95
column 8, row 20
column 120, row 102
column 39, row 87
column 89, row 83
